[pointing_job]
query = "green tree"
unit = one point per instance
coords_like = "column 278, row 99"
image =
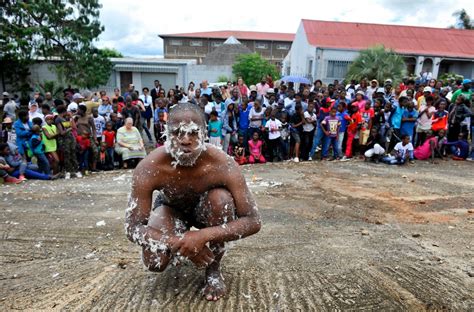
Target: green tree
column 463, row 20
column 63, row 30
column 377, row 63
column 111, row 53
column 51, row 86
column 252, row 67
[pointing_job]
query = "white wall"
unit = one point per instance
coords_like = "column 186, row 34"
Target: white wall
column 301, row 53
column 323, row 56
column 211, row 73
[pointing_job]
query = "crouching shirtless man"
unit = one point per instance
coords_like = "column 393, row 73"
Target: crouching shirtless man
column 198, row 185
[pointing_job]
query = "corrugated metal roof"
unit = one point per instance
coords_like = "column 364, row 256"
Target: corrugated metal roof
column 241, row 35
column 403, row 39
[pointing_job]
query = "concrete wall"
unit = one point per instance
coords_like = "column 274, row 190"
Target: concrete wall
column 198, row 73
column 323, row 57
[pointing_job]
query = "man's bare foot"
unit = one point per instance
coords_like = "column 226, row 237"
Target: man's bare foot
column 214, row 288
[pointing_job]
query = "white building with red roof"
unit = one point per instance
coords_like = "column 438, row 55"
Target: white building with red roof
column 323, row 50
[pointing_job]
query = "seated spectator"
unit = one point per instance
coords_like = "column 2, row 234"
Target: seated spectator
column 255, row 149
column 459, row 148
column 239, row 151
column 5, row 168
column 129, row 143
column 374, row 151
column 429, row 148
column 402, row 152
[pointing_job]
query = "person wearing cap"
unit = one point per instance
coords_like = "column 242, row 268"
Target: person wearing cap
column 7, row 134
column 253, row 93
column 9, row 106
column 465, row 91
column 422, row 99
column 34, row 109
column 359, row 100
column 372, row 88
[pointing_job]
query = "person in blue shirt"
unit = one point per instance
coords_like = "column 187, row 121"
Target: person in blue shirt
column 244, row 111
column 214, row 129
column 205, row 88
column 459, row 148
column 22, row 128
column 343, row 117
column 396, row 120
column 409, row 118
column 36, row 146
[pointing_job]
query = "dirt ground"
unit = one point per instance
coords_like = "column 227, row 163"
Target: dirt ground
column 335, row 236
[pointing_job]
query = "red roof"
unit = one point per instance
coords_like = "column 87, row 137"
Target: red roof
column 244, row 35
column 403, row 39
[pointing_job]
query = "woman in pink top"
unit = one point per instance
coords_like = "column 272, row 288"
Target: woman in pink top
column 359, row 100
column 428, row 148
column 255, row 147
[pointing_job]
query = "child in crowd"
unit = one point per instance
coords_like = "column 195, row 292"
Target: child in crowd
column 354, row 125
column 239, row 151
column 273, row 127
column 409, row 118
column 367, row 114
column 214, row 128
column 36, row 148
column 439, row 120
column 108, row 137
column 430, row 147
column 296, row 129
column 84, row 144
column 99, row 122
column 402, row 152
column 255, row 149
column 330, row 126
column 50, row 133
column 285, row 136
column 459, row 148
column 343, row 117
column 105, row 159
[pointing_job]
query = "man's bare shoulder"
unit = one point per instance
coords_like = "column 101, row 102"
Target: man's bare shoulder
column 155, row 164
column 220, row 161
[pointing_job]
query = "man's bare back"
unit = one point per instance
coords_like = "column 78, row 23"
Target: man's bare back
column 198, row 185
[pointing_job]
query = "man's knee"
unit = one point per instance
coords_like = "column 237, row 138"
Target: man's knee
column 219, row 207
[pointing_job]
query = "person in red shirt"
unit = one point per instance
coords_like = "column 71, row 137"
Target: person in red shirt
column 108, row 137
column 367, row 114
column 439, row 119
column 352, row 128
column 84, row 143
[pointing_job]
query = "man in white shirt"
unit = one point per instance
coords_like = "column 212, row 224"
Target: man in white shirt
column 374, row 84
column 147, row 102
column 9, row 106
column 34, row 111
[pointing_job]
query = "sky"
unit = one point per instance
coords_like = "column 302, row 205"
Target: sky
column 132, row 27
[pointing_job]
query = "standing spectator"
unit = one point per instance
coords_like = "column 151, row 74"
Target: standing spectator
column 86, row 125
column 131, row 111
column 34, row 110
column 262, row 87
column 439, row 120
column 116, row 94
column 424, row 120
column 147, row 102
column 84, row 144
column 36, row 147
column 374, row 84
column 464, row 91
column 214, row 127
column 9, row 106
column 7, row 135
column 23, row 132
column 242, row 87
column 367, row 113
column 66, row 142
column 330, row 127
column 458, row 111
column 108, row 137
column 49, row 135
column 105, row 108
column 410, row 115
column 155, row 91
column 309, row 126
column 296, row 128
column 244, row 120
column 99, row 122
column 205, row 88
column 273, row 127
column 229, row 127
column 256, row 116
column 352, row 129
column 344, row 118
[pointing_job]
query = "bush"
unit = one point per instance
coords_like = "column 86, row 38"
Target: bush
column 252, row 67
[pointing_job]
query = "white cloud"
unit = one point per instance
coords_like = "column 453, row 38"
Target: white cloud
column 133, row 27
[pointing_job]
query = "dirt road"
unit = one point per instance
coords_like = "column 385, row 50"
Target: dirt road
column 350, row 236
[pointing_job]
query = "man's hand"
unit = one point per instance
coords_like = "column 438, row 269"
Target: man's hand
column 204, row 258
column 190, row 245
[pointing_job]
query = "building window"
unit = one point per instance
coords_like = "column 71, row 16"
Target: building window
column 176, row 42
column 261, row 45
column 216, row 43
column 195, row 43
column 337, row 69
column 283, row 46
